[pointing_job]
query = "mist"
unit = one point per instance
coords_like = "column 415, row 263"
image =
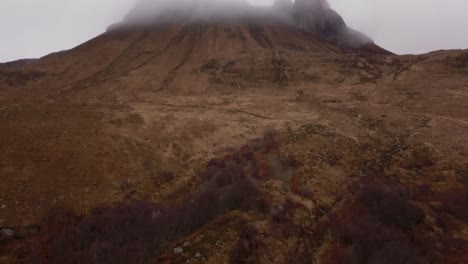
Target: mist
column 313, row 16
column 154, row 11
column 147, row 12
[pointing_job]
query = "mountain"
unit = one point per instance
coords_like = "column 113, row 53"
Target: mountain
column 201, row 133
column 169, row 46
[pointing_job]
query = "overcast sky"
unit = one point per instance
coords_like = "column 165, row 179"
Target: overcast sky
column 34, row 28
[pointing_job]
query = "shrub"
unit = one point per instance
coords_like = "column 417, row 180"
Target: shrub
column 461, row 61
column 366, row 240
column 246, row 249
column 391, row 206
column 455, row 203
column 379, row 228
column 131, row 233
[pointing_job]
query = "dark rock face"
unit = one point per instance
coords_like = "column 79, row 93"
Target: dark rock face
column 317, row 16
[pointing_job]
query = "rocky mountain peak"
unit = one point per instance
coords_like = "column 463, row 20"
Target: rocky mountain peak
column 317, row 16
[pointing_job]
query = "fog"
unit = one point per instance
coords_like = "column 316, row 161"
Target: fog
column 409, row 27
column 154, row 11
column 313, row 16
column 32, row 28
column 149, row 12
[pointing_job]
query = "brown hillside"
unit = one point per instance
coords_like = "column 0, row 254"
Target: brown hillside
column 253, row 141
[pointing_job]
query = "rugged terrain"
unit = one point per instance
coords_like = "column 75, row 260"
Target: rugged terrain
column 238, row 141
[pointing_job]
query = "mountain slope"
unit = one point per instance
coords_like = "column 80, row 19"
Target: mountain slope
column 166, row 50
column 169, row 46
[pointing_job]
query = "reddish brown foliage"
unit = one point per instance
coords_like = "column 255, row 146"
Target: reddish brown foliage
column 246, row 249
column 377, row 229
column 131, row 233
column 385, row 226
column 391, row 206
column 455, row 203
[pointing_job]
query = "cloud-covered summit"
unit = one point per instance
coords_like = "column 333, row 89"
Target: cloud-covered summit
column 312, row 16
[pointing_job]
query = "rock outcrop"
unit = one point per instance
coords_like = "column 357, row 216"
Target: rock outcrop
column 317, row 16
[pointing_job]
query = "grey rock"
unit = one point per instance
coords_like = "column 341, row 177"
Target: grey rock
column 186, row 244
column 7, row 232
column 178, row 250
column 198, row 255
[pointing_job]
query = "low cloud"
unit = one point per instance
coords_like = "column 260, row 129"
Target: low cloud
column 313, row 16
